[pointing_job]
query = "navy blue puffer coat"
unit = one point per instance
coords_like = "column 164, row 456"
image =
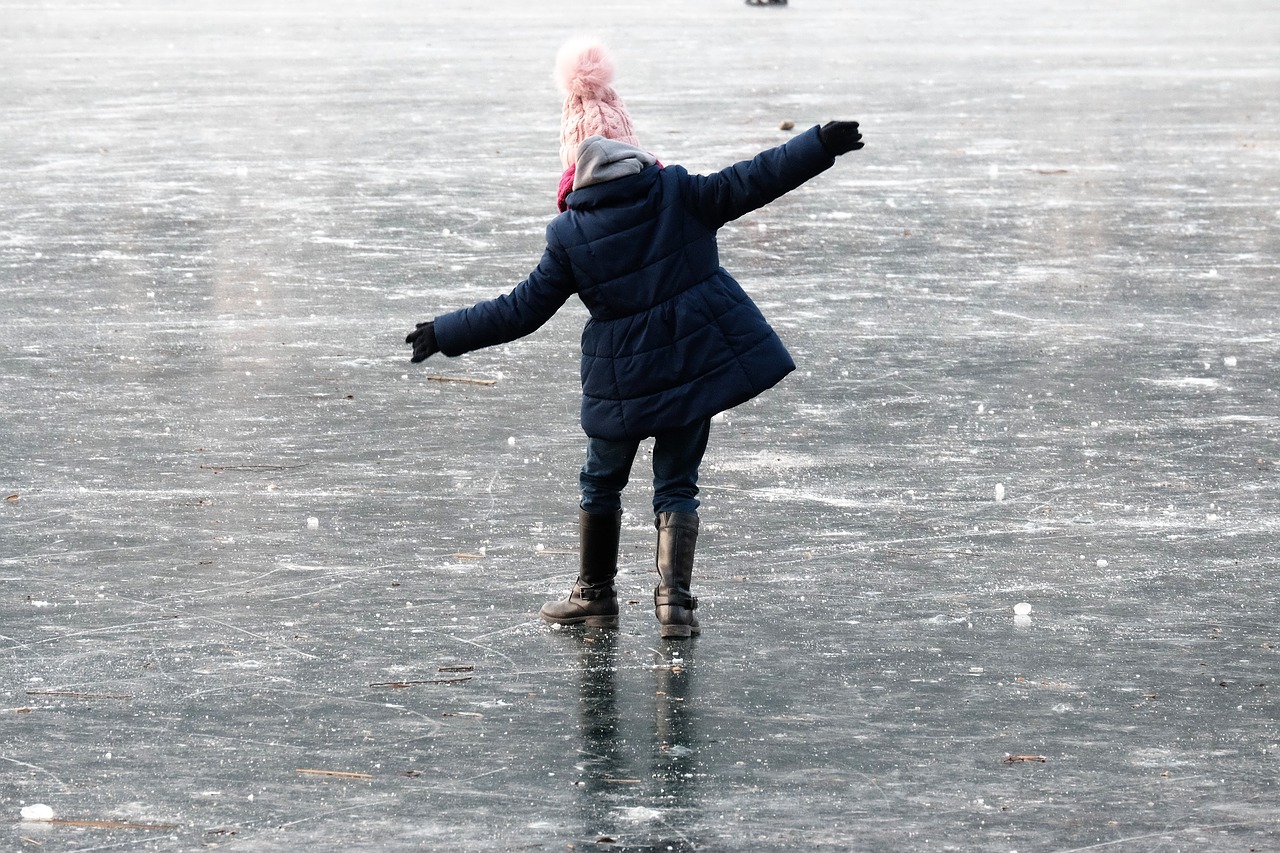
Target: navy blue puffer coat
column 672, row 338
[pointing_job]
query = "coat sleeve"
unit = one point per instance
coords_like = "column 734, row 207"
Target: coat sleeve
column 751, row 184
column 505, row 318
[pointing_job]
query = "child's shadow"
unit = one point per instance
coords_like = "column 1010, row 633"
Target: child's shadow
column 638, row 791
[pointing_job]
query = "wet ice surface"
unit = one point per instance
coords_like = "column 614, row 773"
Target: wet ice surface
column 242, row 537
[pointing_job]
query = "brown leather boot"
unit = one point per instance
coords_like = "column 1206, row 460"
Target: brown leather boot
column 673, row 605
column 593, row 600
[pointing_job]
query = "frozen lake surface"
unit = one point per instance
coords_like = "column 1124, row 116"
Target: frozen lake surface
column 1036, row 324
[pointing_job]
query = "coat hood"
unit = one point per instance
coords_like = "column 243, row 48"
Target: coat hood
column 601, row 159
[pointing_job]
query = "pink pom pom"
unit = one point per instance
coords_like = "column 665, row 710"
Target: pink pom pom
column 584, row 68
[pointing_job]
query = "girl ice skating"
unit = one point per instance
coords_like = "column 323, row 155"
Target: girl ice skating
column 672, row 339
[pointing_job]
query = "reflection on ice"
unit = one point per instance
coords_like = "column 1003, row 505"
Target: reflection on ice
column 627, row 778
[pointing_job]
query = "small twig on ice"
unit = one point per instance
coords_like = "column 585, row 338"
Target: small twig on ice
column 107, row 824
column 78, row 695
column 397, row 685
column 341, row 774
column 218, row 469
column 463, row 379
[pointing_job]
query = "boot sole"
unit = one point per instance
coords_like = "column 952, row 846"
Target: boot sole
column 589, row 621
column 678, row 631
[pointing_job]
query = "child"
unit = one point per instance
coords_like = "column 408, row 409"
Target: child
column 672, row 339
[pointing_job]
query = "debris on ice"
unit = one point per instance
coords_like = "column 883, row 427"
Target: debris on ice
column 1022, row 608
column 999, row 491
column 313, row 523
column 38, row 811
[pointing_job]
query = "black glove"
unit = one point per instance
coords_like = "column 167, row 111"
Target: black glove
column 423, row 339
column 840, row 137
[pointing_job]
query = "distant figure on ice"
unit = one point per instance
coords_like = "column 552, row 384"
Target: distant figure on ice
column 672, row 339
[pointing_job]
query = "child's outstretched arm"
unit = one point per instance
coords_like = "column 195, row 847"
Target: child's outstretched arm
column 500, row 320
column 751, row 184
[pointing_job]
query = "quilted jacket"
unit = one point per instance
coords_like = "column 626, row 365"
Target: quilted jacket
column 672, row 337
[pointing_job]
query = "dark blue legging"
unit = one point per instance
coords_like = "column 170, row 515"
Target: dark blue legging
column 677, row 454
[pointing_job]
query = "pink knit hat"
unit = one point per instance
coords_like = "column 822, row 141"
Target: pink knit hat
column 584, row 72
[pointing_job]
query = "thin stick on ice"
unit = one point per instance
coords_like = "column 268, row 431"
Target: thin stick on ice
column 463, row 379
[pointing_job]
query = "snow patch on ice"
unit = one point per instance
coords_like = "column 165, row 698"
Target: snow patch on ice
column 639, row 814
column 790, row 495
column 1187, row 382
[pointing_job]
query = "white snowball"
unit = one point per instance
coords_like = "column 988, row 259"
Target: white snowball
column 39, row 811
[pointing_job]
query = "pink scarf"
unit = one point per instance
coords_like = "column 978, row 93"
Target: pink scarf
column 566, row 186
